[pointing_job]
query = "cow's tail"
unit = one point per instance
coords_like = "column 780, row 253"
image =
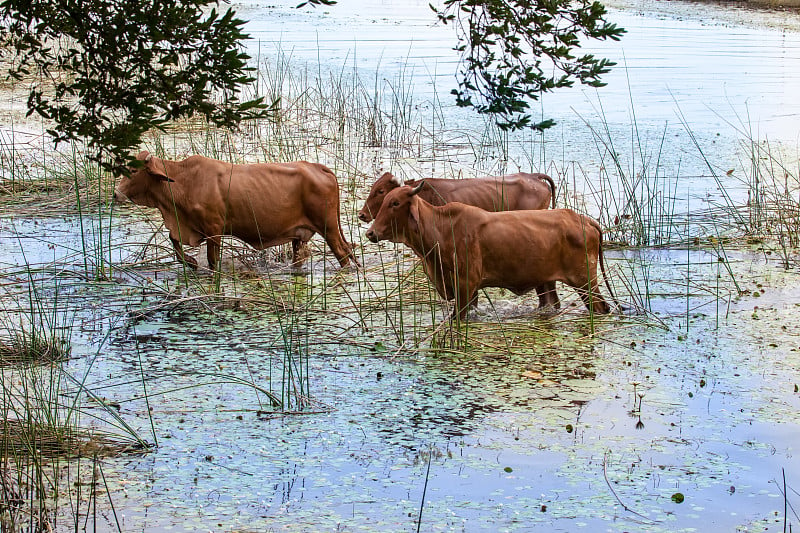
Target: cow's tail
column 352, row 248
column 552, row 185
column 339, row 216
column 603, row 266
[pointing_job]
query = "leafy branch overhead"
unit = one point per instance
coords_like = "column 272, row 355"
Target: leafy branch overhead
column 109, row 70
column 512, row 51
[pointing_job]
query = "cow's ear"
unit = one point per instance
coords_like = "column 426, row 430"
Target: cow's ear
column 156, row 168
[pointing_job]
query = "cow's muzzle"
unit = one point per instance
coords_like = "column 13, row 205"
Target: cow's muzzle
column 363, row 216
column 120, row 198
column 372, row 236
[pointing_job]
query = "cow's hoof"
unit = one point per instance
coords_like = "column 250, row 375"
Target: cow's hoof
column 349, row 267
column 298, row 271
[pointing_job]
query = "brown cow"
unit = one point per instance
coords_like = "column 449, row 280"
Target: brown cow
column 494, row 193
column 501, row 193
column 465, row 249
column 264, row 204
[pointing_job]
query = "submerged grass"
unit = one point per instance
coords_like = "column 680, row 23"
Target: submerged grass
column 34, row 326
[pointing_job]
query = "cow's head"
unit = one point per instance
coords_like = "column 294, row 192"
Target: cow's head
column 397, row 217
column 146, row 174
column 382, row 186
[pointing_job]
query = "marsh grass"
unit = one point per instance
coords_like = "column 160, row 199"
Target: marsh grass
column 42, row 433
column 360, row 126
column 42, row 411
column 772, row 211
column 35, row 325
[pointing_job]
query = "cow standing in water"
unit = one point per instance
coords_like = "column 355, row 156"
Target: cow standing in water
column 465, row 249
column 512, row 192
column 263, row 204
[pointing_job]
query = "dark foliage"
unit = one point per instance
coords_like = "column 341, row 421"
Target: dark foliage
column 107, row 71
column 512, row 51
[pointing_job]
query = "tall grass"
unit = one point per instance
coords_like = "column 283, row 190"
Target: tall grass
column 772, row 211
column 361, row 125
column 42, row 411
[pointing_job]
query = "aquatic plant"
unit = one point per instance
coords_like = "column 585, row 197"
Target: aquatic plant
column 34, row 324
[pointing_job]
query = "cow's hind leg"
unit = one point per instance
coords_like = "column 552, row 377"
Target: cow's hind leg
column 213, row 251
column 300, row 253
column 593, row 300
column 464, row 301
column 584, row 280
column 340, row 248
column 332, row 232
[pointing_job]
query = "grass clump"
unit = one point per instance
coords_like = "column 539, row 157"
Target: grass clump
column 33, row 329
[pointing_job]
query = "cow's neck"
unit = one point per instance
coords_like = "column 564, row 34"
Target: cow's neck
column 434, row 236
column 172, row 193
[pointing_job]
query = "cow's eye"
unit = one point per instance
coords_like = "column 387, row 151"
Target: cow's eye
column 395, row 203
column 380, row 191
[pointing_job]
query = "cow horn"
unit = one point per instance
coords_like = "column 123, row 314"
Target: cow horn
column 418, row 188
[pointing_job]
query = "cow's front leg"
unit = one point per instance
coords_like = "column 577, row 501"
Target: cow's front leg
column 300, row 252
column 213, row 249
column 464, row 301
column 548, row 295
column 189, row 261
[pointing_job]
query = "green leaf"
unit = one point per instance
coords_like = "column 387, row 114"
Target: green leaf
column 501, row 76
column 129, row 71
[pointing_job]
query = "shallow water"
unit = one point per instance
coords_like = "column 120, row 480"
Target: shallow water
column 536, row 424
column 718, row 65
column 520, row 429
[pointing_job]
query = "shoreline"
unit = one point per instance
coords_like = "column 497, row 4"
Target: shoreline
column 750, row 13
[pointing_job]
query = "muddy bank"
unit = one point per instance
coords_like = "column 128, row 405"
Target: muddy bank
column 760, row 13
column 775, row 3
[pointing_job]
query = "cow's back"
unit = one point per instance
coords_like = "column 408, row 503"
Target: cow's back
column 276, row 185
column 493, row 193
